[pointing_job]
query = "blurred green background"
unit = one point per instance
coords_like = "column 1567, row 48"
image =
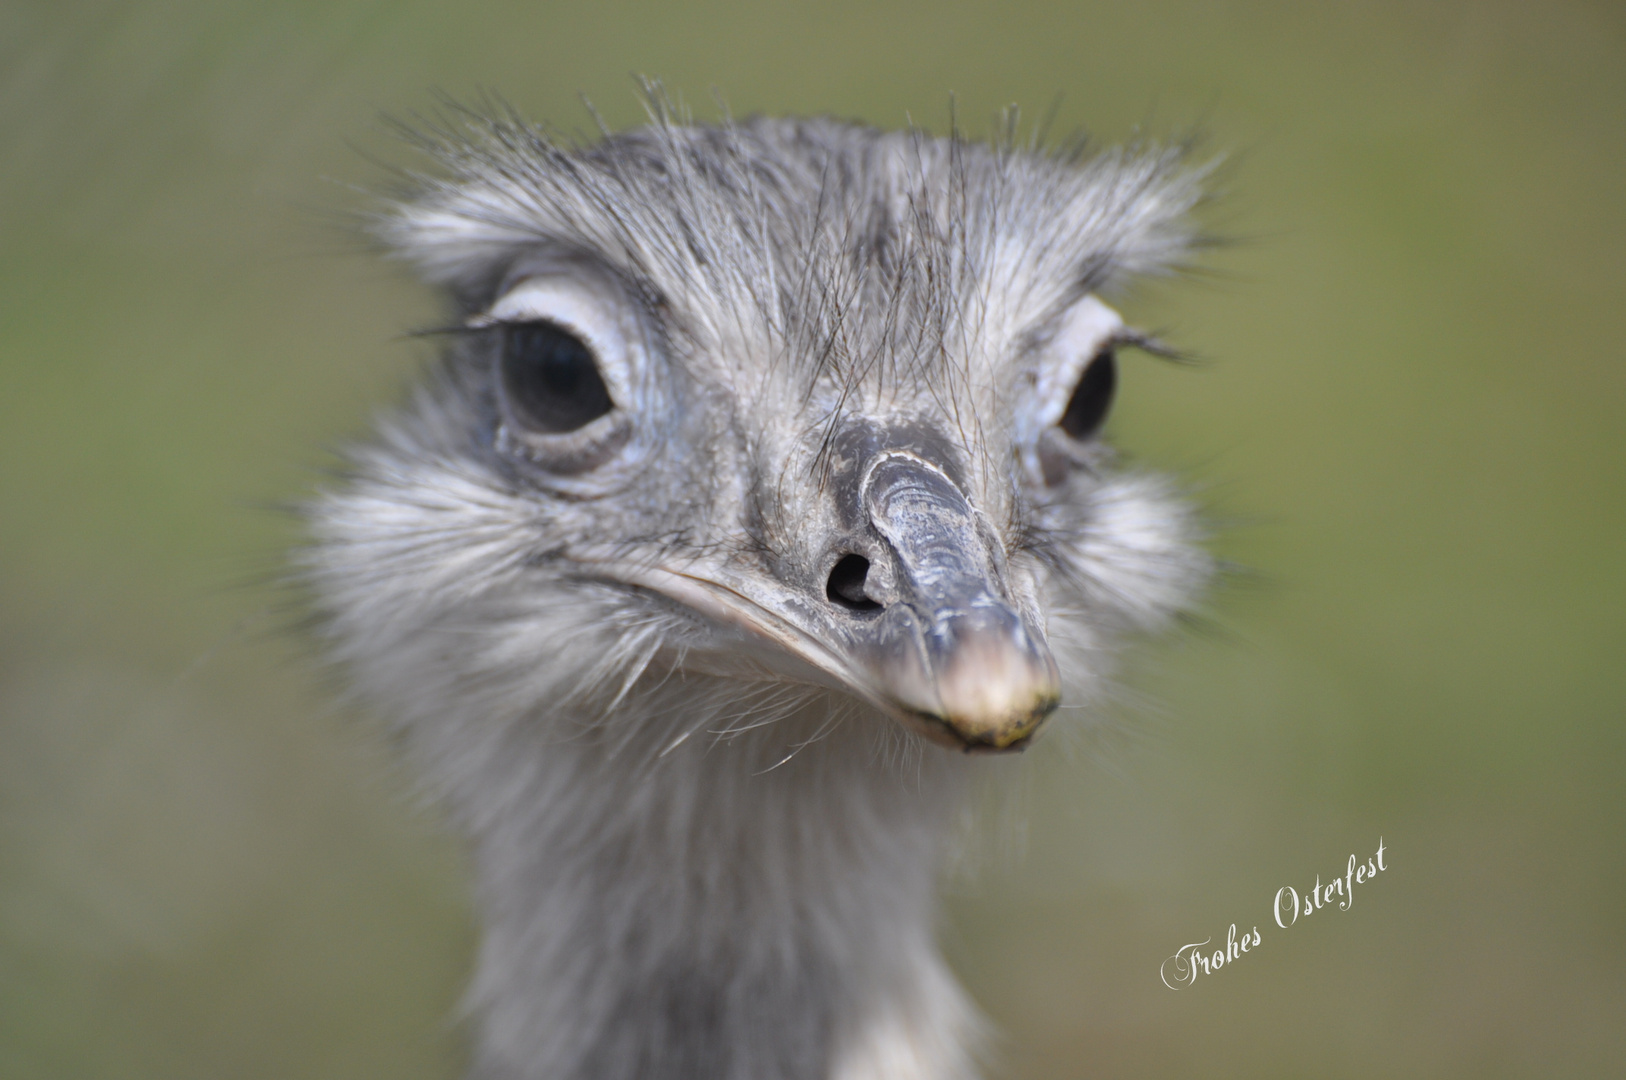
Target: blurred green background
column 1408, row 431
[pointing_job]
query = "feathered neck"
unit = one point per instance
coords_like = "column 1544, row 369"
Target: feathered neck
column 743, row 906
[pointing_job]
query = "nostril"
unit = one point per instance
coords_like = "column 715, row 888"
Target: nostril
column 846, row 584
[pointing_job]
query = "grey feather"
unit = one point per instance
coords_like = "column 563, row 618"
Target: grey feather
column 700, row 855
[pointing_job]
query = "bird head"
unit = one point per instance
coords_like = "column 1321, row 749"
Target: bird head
column 789, row 404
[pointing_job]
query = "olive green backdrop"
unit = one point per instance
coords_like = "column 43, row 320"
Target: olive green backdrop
column 1407, row 431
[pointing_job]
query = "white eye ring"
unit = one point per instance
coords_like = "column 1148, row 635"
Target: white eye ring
column 574, row 307
column 589, row 459
column 1079, row 338
column 1060, row 356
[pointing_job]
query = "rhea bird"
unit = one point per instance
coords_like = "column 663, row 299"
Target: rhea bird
column 760, row 489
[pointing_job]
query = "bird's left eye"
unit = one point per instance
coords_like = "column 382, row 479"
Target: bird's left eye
column 1092, row 398
column 551, row 378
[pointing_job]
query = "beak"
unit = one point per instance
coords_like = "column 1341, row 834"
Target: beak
column 944, row 644
column 928, row 630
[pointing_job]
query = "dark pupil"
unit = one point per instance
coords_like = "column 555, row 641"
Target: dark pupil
column 1087, row 409
column 551, row 378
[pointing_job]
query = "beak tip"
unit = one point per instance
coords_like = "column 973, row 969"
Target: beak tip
column 997, row 697
column 989, row 691
column 999, row 732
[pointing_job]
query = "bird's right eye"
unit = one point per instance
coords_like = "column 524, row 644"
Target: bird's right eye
column 551, row 378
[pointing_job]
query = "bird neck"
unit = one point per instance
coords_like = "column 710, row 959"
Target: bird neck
column 737, row 908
